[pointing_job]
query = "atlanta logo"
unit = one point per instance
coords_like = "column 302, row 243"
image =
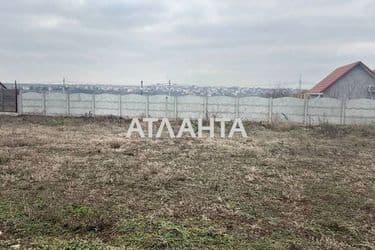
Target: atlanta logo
column 186, row 128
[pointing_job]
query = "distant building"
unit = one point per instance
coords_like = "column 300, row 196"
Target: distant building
column 351, row 81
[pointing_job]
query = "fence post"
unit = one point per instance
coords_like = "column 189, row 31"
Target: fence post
column 16, row 95
column 166, row 106
column 342, row 112
column 205, row 107
column 44, row 106
column 19, row 102
column 147, row 106
column 67, row 94
column 305, row 110
column 237, row 106
column 270, row 109
column 2, row 99
column 175, row 107
column 93, row 104
column 120, row 105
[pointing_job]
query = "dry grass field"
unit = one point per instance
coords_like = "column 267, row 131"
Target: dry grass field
column 79, row 183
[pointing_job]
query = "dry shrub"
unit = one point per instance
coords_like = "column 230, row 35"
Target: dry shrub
column 3, row 159
column 115, row 144
column 331, row 131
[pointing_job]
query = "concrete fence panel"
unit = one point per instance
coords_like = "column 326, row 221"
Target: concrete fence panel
column 190, row 107
column 107, row 104
column 56, row 104
column 221, row 107
column 254, row 108
column 81, row 104
column 360, row 111
column 288, row 109
column 32, row 103
column 161, row 106
column 133, row 106
column 324, row 110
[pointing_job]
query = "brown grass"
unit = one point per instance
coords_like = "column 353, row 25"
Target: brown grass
column 283, row 187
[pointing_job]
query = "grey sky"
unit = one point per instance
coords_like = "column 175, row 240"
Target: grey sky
column 210, row 42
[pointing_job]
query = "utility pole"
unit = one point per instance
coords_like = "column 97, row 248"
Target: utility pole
column 169, row 87
column 64, row 86
column 16, row 95
column 142, row 87
column 300, row 86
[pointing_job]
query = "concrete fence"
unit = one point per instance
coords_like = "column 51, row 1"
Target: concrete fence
column 286, row 109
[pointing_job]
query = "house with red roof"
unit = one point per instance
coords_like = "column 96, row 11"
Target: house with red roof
column 350, row 81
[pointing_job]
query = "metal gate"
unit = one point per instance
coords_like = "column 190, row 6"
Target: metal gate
column 8, row 99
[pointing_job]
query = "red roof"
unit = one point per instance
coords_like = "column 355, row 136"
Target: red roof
column 336, row 75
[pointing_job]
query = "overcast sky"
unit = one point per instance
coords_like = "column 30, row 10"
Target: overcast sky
column 266, row 43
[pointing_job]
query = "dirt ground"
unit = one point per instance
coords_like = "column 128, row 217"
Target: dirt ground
column 79, row 183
